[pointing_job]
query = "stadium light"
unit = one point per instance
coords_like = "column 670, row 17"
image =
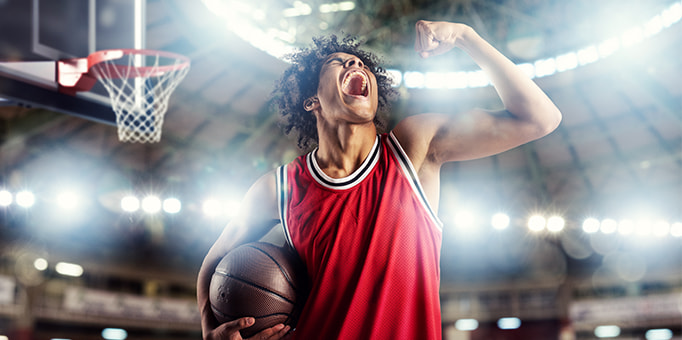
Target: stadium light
column 607, row 331
column 536, row 223
column 556, row 224
column 466, row 324
column 500, row 221
column 69, row 269
column 659, row 334
column 5, row 199
column 40, row 264
column 130, row 203
column 25, row 199
column 114, row 334
column 151, row 204
column 172, row 205
column 608, row 226
column 626, row 227
column 68, row 200
column 509, row 323
column 591, row 225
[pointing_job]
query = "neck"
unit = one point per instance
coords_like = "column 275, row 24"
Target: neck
column 342, row 149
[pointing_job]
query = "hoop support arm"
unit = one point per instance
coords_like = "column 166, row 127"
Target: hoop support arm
column 72, row 76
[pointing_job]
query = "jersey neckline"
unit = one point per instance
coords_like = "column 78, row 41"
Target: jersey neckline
column 345, row 182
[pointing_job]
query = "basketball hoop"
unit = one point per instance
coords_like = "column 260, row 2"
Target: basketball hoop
column 139, row 83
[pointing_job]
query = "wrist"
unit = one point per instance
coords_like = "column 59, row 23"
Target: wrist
column 466, row 38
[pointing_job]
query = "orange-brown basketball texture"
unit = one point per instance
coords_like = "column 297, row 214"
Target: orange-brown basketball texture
column 259, row 280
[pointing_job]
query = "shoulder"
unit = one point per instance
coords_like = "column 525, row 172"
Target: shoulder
column 415, row 134
column 260, row 201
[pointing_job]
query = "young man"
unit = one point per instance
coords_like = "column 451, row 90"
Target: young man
column 361, row 208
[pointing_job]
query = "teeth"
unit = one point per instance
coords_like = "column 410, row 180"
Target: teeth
column 350, row 75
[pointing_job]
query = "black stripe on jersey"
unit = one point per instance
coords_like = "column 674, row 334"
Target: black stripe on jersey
column 407, row 164
column 366, row 167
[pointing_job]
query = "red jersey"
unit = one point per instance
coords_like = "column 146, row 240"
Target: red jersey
column 371, row 244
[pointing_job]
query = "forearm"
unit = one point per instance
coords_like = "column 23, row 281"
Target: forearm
column 519, row 94
column 227, row 239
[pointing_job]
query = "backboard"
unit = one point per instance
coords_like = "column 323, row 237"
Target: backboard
column 36, row 33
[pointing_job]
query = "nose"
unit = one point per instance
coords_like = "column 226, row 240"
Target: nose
column 354, row 61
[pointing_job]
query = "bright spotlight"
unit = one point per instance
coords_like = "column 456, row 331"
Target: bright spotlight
column 556, row 224
column 536, row 223
column 457, row 80
column 67, row 200
column 414, row 80
column 509, row 323
column 591, row 225
column 676, row 229
column 25, row 199
column 626, row 227
column 151, row 204
column 500, row 221
column 608, row 47
column 566, row 62
column 588, row 55
column 114, row 334
column 608, row 226
column 545, row 67
column 608, row 331
column 672, row 14
column 172, row 205
column 69, row 269
column 232, row 208
column 40, row 264
column 464, row 220
column 659, row 334
column 5, row 198
column 632, row 36
column 643, row 227
column 661, row 228
column 436, row 80
column 477, row 79
column 130, row 204
column 396, row 77
column 466, row 324
column 211, row 207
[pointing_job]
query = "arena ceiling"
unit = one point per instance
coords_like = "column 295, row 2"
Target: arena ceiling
column 617, row 152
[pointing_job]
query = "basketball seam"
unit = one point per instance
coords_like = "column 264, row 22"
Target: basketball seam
column 281, row 269
column 255, row 285
column 225, row 315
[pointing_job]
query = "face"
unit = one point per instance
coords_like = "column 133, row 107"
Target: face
column 347, row 89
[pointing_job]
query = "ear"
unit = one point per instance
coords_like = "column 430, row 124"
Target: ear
column 311, row 104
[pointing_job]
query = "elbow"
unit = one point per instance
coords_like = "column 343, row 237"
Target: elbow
column 550, row 118
column 551, row 121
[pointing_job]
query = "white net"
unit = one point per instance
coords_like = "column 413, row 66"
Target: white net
column 139, row 86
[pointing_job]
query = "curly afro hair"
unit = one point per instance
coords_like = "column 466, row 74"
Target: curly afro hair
column 301, row 79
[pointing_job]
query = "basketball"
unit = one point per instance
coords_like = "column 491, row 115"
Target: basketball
column 259, row 280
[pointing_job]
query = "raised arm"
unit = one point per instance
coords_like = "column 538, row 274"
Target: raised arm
column 256, row 217
column 433, row 139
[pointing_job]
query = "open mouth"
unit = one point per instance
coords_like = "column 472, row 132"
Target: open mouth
column 355, row 84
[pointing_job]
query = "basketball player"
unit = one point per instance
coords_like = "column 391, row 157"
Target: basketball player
column 360, row 209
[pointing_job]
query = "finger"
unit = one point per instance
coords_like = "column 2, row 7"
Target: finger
column 423, row 36
column 273, row 333
column 233, row 327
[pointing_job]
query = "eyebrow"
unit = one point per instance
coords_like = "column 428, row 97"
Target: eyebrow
column 333, row 59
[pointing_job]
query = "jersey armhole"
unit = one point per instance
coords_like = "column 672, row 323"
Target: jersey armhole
column 283, row 202
column 411, row 174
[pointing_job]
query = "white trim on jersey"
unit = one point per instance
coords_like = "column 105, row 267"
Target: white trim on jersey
column 283, row 201
column 411, row 174
column 349, row 181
